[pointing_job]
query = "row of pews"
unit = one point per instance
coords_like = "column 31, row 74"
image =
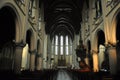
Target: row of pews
column 51, row 74
column 47, row 74
column 77, row 74
column 7, row 75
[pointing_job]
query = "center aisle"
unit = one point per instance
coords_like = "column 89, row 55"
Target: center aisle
column 63, row 75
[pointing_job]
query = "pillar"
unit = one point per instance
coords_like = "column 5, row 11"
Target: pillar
column 52, row 61
column 112, row 59
column 71, row 59
column 87, row 61
column 39, row 60
column 95, row 61
column 101, row 55
column 32, row 60
column 18, row 57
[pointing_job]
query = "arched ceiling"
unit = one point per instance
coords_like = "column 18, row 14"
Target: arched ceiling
column 62, row 16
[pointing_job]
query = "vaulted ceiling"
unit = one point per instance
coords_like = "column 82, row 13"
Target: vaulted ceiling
column 62, row 17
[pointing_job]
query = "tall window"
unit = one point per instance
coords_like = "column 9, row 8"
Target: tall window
column 52, row 48
column 61, row 45
column 56, row 45
column 30, row 7
column 98, row 8
column 66, row 45
column 70, row 50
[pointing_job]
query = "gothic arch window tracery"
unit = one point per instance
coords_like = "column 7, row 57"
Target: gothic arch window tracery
column 98, row 8
column 32, row 12
column 61, row 45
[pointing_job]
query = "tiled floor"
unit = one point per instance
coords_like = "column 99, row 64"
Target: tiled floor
column 63, row 75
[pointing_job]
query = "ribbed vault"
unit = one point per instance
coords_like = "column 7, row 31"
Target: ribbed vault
column 62, row 17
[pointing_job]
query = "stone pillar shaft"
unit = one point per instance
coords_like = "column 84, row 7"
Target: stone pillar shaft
column 39, row 60
column 32, row 60
column 112, row 59
column 95, row 61
column 18, row 58
column 87, row 61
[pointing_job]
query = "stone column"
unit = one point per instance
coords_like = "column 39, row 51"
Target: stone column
column 32, row 60
column 95, row 61
column 52, row 60
column 86, row 58
column 101, row 55
column 87, row 61
column 39, row 60
column 112, row 59
column 18, row 57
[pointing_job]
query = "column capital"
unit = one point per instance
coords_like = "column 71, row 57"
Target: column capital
column 19, row 44
column 108, row 45
column 94, row 52
column 39, row 55
column 110, row 48
column 33, row 51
